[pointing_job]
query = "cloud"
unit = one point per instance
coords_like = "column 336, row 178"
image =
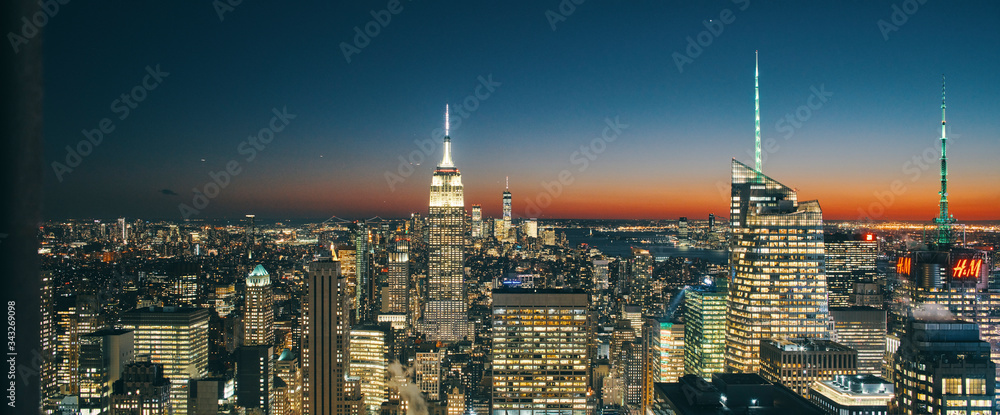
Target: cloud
column 408, row 391
column 933, row 312
column 168, row 192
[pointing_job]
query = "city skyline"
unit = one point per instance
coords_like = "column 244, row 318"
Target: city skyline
column 542, row 94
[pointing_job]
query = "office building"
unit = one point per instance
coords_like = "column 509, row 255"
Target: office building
column 396, row 293
column 369, row 364
column 427, row 370
column 326, row 341
column 77, row 315
column 254, row 377
column 862, row 329
column 778, row 286
column 850, row 259
column 942, row 367
column 798, row 363
column 103, row 356
column 507, row 215
column 177, row 339
column 853, row 395
column 705, row 329
column 445, row 315
column 540, row 356
column 666, row 350
column 476, row 224
column 258, row 320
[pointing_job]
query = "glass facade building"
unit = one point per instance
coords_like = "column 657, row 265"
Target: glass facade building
column 778, row 285
column 705, row 329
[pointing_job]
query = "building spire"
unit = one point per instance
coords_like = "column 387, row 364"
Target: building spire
column 446, row 160
column 756, row 109
column 507, row 180
column 944, row 220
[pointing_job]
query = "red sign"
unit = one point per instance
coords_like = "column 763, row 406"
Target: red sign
column 904, row 265
column 966, row 268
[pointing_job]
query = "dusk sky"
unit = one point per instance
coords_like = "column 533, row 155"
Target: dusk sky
column 881, row 87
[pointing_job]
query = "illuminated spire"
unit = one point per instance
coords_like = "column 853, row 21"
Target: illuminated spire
column 944, row 220
column 756, row 109
column 507, row 185
column 446, row 160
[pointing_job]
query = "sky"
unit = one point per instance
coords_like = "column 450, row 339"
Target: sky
column 850, row 106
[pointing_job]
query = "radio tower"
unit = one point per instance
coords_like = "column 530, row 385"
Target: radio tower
column 756, row 109
column 944, row 220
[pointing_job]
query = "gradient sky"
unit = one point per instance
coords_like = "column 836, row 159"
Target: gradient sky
column 605, row 60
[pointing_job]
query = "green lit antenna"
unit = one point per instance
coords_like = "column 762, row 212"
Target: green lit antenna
column 943, row 220
column 756, row 108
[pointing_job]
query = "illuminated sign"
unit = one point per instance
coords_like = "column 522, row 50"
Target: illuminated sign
column 966, row 268
column 869, row 237
column 904, row 265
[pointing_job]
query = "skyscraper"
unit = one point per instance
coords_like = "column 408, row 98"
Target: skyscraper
column 364, row 286
column 258, row 321
column 396, row 294
column 445, row 316
column 326, row 340
column 862, row 329
column 477, row 221
column 103, row 356
column 942, row 367
column 705, row 329
column 177, row 339
column 142, row 389
column 540, row 353
column 778, row 285
column 369, row 365
column 850, row 259
column 507, row 218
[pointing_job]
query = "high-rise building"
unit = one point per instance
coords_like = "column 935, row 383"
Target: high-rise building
column 445, row 316
column 396, row 293
column 862, row 329
column 369, row 365
column 798, row 363
column 540, row 356
column 942, row 367
column 530, row 228
column 47, row 332
column 142, row 390
column 326, row 341
column 778, row 286
column 728, row 393
column 78, row 315
column 255, row 377
column 258, row 321
column 288, row 392
column 683, row 231
column 177, row 339
column 705, row 329
column 507, row 217
column 666, row 350
column 850, row 259
column 427, row 371
column 103, row 356
column 477, row 221
column 364, row 286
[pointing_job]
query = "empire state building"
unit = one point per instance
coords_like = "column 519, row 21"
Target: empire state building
column 445, row 316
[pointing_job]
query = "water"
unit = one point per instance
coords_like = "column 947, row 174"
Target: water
column 618, row 244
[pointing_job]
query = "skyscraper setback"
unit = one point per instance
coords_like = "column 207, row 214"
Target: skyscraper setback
column 445, row 317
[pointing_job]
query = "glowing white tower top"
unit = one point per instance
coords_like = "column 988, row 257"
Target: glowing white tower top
column 446, row 160
column 756, row 110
